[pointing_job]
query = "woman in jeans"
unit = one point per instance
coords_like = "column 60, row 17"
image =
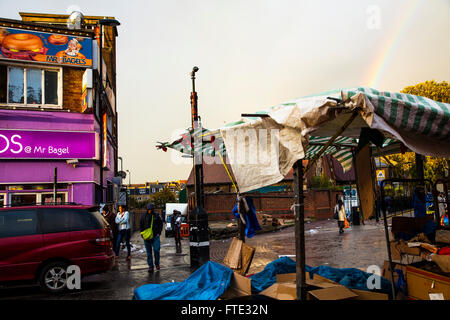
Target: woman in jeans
column 123, row 224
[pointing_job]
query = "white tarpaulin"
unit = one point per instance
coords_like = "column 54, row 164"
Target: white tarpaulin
column 262, row 150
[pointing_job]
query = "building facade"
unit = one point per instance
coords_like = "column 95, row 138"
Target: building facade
column 55, row 125
column 143, row 192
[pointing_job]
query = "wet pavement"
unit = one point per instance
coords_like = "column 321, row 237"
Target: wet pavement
column 359, row 247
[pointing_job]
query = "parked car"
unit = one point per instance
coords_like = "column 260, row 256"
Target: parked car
column 38, row 243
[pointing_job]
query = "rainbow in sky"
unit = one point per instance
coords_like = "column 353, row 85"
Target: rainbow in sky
column 378, row 68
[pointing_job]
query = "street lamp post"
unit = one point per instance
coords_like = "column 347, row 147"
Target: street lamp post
column 198, row 222
column 129, row 178
column 101, row 93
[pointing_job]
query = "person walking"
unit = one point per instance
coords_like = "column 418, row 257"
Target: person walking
column 123, row 223
column 152, row 220
column 341, row 215
column 177, row 229
column 110, row 217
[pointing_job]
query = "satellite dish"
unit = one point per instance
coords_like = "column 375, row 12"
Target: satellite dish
column 75, row 20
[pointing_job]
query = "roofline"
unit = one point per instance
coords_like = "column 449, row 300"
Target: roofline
column 34, row 26
column 61, row 18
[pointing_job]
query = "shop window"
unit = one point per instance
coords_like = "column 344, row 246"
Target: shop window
column 2, row 200
column 29, row 86
column 17, row 223
column 23, row 199
column 48, row 198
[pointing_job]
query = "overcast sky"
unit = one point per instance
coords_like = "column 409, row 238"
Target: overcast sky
column 252, row 54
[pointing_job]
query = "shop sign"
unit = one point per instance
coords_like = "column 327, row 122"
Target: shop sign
column 24, row 144
column 43, row 47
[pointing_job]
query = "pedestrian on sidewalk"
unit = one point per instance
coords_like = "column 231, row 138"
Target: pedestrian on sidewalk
column 110, row 217
column 151, row 219
column 177, row 229
column 123, row 223
column 341, row 215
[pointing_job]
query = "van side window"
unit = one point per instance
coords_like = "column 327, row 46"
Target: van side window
column 16, row 223
column 65, row 220
column 54, row 220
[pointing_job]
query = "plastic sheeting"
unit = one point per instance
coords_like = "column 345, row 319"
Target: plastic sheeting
column 251, row 222
column 208, row 282
column 351, row 278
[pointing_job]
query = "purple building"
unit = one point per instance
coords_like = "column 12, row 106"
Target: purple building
column 52, row 116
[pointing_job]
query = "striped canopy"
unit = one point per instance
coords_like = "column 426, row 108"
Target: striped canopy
column 306, row 124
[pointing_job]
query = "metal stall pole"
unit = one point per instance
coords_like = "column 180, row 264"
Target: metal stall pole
column 388, row 243
column 299, row 230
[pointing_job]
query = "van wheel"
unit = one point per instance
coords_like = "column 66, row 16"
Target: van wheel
column 53, row 277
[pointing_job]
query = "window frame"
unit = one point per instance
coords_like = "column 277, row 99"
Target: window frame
column 59, row 70
column 4, row 194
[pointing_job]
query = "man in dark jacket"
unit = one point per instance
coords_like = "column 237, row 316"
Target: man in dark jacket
column 154, row 243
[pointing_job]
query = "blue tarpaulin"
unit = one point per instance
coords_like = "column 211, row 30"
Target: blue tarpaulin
column 351, row 278
column 251, row 222
column 208, row 282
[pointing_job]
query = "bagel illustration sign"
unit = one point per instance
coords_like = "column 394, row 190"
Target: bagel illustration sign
column 21, row 144
column 17, row 44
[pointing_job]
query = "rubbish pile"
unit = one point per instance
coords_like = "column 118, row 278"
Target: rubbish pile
column 277, row 281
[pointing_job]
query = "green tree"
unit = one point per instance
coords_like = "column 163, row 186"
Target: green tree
column 438, row 91
column 160, row 198
column 434, row 167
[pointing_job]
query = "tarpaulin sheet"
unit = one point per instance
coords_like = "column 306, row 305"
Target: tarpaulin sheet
column 208, row 282
column 351, row 278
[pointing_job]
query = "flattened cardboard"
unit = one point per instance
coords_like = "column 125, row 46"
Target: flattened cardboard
column 240, row 286
column 443, row 236
column 369, row 295
column 233, row 257
column 332, row 293
column 247, row 254
column 281, row 291
column 317, row 280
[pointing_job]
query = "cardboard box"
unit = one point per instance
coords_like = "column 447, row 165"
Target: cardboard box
column 239, row 287
column 369, row 295
column 443, row 236
column 421, row 283
column 281, row 291
column 386, row 273
column 399, row 248
column 317, row 283
column 332, row 293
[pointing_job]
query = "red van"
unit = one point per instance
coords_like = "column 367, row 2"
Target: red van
column 38, row 243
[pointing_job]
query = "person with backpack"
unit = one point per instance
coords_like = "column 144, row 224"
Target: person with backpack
column 151, row 226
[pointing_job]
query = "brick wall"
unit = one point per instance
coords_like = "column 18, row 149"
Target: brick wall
column 319, row 204
column 72, row 86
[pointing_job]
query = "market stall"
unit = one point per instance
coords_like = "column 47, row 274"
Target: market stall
column 262, row 147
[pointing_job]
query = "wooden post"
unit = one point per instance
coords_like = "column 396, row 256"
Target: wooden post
column 419, row 166
column 299, row 230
